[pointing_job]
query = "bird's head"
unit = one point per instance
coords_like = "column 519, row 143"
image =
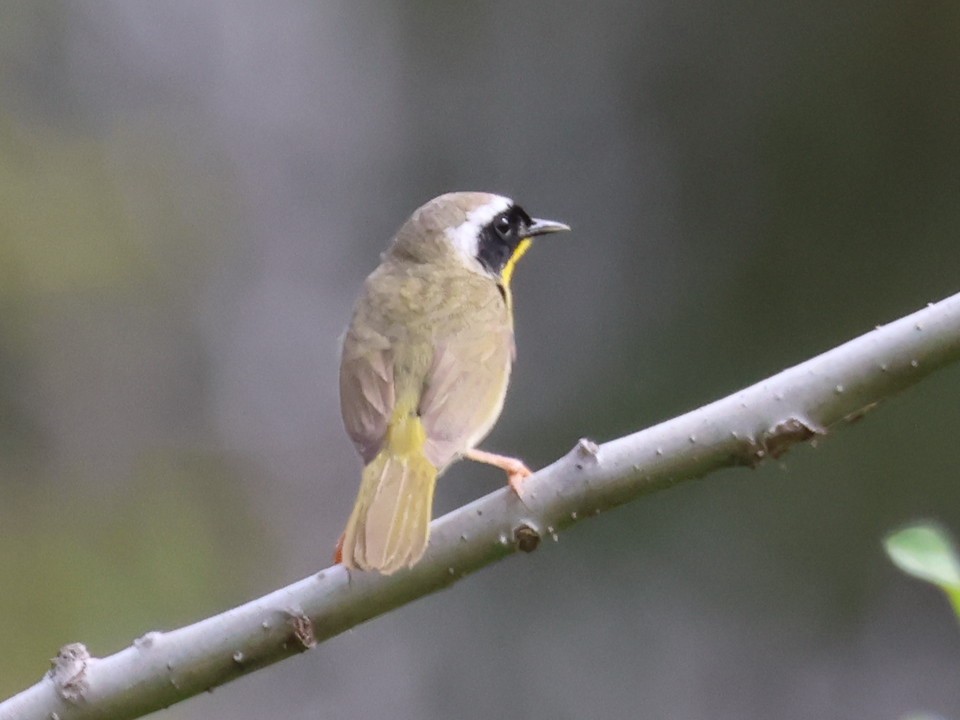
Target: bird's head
column 485, row 233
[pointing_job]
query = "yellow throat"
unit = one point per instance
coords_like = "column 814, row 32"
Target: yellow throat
column 506, row 275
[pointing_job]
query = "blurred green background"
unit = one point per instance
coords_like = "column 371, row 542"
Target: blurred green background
column 192, row 193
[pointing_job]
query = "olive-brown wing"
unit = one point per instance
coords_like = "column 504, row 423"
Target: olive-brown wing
column 367, row 391
column 464, row 391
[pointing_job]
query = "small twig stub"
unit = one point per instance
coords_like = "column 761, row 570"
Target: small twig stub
column 69, row 671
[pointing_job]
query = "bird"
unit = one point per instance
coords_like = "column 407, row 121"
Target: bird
column 425, row 365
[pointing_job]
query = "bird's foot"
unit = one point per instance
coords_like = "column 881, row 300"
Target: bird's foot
column 516, row 471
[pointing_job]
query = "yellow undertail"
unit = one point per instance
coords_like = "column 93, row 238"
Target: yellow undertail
column 390, row 523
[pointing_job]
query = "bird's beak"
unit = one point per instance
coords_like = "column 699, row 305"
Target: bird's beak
column 542, row 227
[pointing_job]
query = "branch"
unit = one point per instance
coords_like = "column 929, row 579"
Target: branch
column 762, row 421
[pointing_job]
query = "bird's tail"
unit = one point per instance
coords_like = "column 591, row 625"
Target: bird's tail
column 390, row 522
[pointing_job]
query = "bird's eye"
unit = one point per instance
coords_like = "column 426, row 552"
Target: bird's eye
column 503, row 226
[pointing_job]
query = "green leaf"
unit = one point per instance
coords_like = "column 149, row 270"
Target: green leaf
column 927, row 552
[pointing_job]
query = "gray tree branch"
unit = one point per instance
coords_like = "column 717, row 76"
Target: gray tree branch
column 764, row 420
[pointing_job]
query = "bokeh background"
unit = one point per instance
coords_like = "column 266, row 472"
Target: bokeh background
column 191, row 194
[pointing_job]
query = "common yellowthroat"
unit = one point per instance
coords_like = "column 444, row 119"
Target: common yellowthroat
column 425, row 366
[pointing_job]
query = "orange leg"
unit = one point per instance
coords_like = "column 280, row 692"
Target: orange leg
column 338, row 553
column 515, row 469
